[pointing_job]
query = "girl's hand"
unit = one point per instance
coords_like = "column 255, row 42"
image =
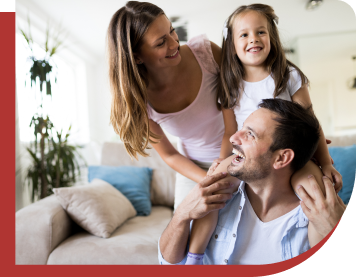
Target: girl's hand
column 214, row 165
column 324, row 212
column 335, row 177
column 328, row 141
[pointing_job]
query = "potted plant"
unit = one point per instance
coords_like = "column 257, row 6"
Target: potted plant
column 54, row 162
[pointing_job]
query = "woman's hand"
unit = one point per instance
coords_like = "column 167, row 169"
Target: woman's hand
column 214, row 165
column 335, row 177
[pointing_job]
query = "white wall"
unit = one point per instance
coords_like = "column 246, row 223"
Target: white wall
column 327, row 62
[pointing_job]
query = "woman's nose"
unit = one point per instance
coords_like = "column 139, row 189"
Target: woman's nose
column 173, row 43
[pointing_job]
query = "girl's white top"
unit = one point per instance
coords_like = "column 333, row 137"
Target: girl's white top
column 253, row 93
column 200, row 126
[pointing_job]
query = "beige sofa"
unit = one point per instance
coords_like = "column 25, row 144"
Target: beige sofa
column 45, row 234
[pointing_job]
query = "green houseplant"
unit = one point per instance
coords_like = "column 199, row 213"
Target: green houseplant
column 54, row 162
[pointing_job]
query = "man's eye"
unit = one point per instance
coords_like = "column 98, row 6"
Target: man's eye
column 250, row 134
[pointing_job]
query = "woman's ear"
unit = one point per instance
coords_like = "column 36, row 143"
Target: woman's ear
column 283, row 158
column 137, row 59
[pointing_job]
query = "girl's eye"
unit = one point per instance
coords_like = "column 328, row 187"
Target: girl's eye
column 164, row 41
column 172, row 30
column 261, row 32
column 244, row 35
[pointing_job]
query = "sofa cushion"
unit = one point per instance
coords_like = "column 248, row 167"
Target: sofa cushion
column 97, row 207
column 132, row 181
column 135, row 242
column 345, row 162
column 163, row 178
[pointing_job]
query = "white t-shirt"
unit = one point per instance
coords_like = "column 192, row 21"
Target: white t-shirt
column 254, row 92
column 259, row 242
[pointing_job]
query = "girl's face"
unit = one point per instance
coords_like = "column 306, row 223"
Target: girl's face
column 160, row 46
column 251, row 38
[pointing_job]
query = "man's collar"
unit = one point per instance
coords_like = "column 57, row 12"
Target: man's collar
column 241, row 188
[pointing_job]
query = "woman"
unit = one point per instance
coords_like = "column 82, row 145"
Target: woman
column 157, row 83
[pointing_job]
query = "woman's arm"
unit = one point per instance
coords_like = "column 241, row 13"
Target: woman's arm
column 322, row 153
column 173, row 158
column 230, row 129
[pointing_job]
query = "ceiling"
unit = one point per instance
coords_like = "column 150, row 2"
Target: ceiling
column 86, row 21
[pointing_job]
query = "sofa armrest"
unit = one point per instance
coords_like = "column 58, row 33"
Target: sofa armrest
column 40, row 227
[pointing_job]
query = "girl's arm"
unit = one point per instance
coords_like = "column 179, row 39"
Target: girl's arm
column 230, row 129
column 322, row 153
column 173, row 158
column 226, row 146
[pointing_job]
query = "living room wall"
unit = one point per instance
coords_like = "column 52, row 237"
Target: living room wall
column 327, row 61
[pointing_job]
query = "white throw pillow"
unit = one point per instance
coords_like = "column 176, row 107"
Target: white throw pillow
column 97, row 207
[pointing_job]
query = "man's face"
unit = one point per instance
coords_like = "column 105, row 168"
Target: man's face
column 251, row 144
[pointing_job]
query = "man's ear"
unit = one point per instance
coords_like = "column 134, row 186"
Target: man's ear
column 283, row 158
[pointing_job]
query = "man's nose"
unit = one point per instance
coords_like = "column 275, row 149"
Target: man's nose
column 236, row 138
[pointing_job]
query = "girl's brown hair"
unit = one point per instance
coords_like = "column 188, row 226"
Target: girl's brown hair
column 232, row 70
column 128, row 80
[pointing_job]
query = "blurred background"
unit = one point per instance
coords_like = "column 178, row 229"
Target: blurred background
column 318, row 36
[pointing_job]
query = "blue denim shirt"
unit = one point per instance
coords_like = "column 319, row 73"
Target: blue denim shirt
column 294, row 240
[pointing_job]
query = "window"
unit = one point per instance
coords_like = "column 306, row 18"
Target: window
column 68, row 104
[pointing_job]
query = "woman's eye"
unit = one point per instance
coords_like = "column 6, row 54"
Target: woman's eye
column 161, row 43
column 172, row 30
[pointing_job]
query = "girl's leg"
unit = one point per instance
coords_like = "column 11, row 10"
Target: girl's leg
column 300, row 177
column 202, row 230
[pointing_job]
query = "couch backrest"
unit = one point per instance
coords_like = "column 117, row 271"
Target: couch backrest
column 163, row 178
column 342, row 140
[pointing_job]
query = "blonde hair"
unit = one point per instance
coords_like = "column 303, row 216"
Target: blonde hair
column 232, row 70
column 128, row 80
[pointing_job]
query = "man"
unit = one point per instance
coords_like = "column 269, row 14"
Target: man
column 263, row 221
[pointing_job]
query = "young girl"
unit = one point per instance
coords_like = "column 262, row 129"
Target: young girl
column 254, row 67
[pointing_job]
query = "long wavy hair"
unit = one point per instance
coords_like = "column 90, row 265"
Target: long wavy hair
column 128, row 80
column 232, row 71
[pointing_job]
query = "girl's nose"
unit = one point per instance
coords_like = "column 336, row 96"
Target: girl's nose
column 253, row 39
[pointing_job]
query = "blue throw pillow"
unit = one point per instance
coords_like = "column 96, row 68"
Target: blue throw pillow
column 345, row 162
column 133, row 182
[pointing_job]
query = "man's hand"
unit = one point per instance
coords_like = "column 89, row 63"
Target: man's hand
column 323, row 212
column 201, row 200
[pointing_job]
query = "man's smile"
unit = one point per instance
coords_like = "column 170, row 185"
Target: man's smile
column 239, row 156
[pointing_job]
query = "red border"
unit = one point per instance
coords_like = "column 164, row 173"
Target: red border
column 7, row 75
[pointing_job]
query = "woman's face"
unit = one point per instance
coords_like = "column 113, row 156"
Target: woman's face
column 160, row 46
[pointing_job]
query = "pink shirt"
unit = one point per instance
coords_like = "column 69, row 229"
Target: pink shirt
column 200, row 126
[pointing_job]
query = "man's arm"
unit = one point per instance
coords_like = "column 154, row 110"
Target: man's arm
column 323, row 212
column 199, row 202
